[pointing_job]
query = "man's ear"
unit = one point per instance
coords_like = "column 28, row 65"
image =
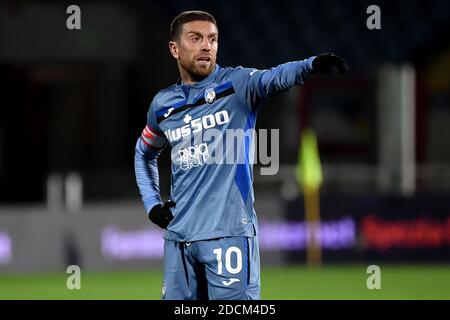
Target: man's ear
column 173, row 47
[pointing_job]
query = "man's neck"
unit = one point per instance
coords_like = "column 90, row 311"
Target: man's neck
column 188, row 79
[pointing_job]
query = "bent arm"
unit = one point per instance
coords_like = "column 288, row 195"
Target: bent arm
column 147, row 175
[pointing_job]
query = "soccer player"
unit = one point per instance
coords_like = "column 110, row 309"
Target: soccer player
column 211, row 245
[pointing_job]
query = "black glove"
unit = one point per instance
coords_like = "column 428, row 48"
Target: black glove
column 324, row 63
column 161, row 215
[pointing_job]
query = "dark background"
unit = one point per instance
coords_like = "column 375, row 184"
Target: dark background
column 76, row 100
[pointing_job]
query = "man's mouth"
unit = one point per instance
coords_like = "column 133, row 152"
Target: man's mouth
column 204, row 59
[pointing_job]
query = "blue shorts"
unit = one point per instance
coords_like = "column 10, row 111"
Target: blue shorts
column 224, row 269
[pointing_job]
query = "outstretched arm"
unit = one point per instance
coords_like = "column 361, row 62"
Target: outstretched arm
column 254, row 85
column 287, row 75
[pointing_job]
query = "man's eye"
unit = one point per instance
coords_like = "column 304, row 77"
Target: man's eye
column 195, row 39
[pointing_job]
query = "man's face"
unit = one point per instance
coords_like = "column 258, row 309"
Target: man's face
column 196, row 49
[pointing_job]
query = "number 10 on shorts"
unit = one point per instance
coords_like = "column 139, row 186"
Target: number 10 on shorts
column 231, row 250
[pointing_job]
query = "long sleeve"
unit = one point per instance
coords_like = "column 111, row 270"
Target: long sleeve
column 147, row 175
column 254, row 85
column 285, row 76
column 148, row 148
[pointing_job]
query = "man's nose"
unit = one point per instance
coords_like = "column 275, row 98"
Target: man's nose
column 206, row 45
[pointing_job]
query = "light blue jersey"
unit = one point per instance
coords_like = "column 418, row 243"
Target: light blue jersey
column 213, row 200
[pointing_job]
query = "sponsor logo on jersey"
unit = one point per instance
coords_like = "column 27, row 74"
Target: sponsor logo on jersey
column 197, row 125
column 193, row 156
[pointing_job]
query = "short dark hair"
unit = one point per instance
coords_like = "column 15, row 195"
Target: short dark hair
column 188, row 16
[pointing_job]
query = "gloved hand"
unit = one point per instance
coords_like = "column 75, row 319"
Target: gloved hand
column 324, row 63
column 161, row 215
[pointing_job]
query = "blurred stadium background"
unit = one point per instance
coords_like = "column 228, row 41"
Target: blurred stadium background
column 74, row 103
